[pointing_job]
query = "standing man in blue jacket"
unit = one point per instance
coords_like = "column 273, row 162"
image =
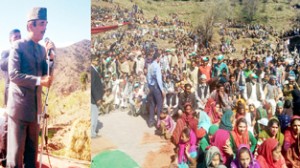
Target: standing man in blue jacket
column 156, row 94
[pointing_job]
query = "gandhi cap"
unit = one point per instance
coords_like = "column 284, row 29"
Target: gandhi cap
column 37, row 13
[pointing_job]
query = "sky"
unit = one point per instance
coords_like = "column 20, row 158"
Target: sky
column 68, row 21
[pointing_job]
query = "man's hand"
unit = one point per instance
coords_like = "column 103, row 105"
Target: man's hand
column 50, row 45
column 164, row 94
column 46, row 81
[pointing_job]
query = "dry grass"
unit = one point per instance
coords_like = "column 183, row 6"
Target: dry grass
column 79, row 146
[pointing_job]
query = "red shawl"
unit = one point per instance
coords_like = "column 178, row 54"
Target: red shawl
column 240, row 138
column 186, row 120
column 209, row 109
column 265, row 157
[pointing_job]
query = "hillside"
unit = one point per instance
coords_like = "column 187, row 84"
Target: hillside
column 70, row 63
column 280, row 15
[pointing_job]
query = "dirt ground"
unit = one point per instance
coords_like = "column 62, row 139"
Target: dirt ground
column 135, row 138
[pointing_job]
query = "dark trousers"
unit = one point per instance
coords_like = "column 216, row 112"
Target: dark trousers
column 5, row 96
column 155, row 100
column 22, row 143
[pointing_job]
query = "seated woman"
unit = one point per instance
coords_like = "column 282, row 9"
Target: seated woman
column 240, row 135
column 213, row 110
column 240, row 110
column 203, row 125
column 205, row 142
column 187, row 119
column 261, row 114
column 269, row 154
column 244, row 158
column 273, row 131
column 283, row 118
column 293, row 154
column 291, row 133
column 187, row 152
column 221, row 138
column 213, row 158
column 251, row 118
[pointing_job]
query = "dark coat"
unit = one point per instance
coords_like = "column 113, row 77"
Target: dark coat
column 96, row 86
column 4, row 68
column 27, row 62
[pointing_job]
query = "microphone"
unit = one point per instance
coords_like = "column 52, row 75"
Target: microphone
column 50, row 51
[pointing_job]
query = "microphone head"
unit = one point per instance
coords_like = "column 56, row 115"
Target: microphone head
column 47, row 40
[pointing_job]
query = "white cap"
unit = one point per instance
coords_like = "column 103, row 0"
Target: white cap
column 263, row 121
column 203, row 76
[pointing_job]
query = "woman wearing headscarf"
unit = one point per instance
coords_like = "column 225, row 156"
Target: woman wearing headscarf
column 240, row 110
column 240, row 135
column 269, row 154
column 213, row 158
column 283, row 118
column 187, row 152
column 291, row 133
column 273, row 131
column 203, row 125
column 213, row 110
column 187, row 119
column 293, row 154
column 221, row 138
column 260, row 113
column 227, row 120
column 244, row 158
column 205, row 142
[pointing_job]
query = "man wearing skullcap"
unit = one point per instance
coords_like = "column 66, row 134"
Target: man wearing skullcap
column 205, row 69
column 28, row 73
column 289, row 87
column 272, row 92
column 202, row 93
column 219, row 67
column 253, row 92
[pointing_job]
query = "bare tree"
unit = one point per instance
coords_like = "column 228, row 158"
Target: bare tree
column 250, row 9
column 219, row 10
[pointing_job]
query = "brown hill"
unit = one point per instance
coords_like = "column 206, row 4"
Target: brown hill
column 70, row 63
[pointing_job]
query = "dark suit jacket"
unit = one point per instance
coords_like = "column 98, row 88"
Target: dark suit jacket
column 26, row 64
column 4, row 68
column 4, row 65
column 96, row 86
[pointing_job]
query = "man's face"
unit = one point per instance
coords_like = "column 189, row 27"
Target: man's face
column 242, row 65
column 232, row 79
column 39, row 30
column 296, row 126
column 15, row 36
column 202, row 80
column 188, row 89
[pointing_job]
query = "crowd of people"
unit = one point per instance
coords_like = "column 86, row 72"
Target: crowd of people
column 218, row 111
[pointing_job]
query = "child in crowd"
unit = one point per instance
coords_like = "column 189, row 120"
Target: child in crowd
column 244, row 159
column 166, row 124
column 187, row 152
column 213, row 158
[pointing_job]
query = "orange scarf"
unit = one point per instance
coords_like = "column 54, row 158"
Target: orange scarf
column 240, row 138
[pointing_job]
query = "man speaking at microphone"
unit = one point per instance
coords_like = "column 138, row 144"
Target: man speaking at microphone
column 27, row 68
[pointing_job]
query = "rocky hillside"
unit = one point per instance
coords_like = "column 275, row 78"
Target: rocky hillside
column 70, row 63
